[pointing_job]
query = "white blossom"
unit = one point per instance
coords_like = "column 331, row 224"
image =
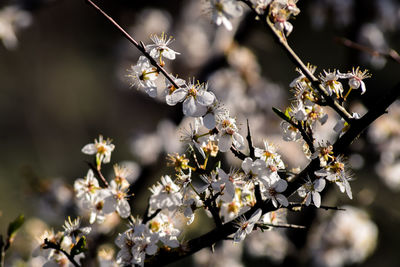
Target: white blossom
column 310, row 190
column 245, row 227
column 102, row 148
column 195, row 99
column 160, row 47
column 143, row 75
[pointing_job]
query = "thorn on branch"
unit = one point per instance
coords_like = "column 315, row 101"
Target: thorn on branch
column 238, row 154
column 249, row 141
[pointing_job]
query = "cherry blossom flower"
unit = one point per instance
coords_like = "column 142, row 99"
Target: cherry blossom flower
column 269, row 155
column 356, row 78
column 143, row 75
column 225, row 184
column 245, row 227
column 165, row 195
column 337, row 173
column 228, row 135
column 116, row 200
column 273, row 190
column 160, row 47
column 310, row 190
column 290, row 133
column 86, row 188
column 102, row 148
column 195, row 99
column 330, row 82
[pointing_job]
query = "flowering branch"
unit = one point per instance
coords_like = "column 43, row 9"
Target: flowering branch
column 306, row 137
column 299, row 63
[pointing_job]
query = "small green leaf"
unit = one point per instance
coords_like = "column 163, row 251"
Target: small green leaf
column 79, row 247
column 282, row 115
column 14, row 226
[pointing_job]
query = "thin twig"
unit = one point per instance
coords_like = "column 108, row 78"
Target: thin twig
column 140, row 46
column 147, row 218
column 283, row 225
column 298, row 206
column 391, row 54
column 98, row 173
column 299, row 63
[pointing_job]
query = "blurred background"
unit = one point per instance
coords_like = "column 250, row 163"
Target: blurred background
column 64, row 82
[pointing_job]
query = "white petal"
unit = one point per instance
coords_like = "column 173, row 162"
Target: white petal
column 280, row 185
column 151, row 249
column 238, row 141
column 193, row 109
column 209, row 121
column 151, row 91
column 225, row 142
column 319, row 185
column 246, row 165
column 282, row 199
column 89, row 149
column 308, row 199
column 110, row 204
column 256, row 216
column 316, row 199
column 239, row 236
column 123, row 208
column 363, row 89
column 177, row 96
column 205, row 98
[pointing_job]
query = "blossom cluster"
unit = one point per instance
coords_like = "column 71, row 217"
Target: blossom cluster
column 199, row 179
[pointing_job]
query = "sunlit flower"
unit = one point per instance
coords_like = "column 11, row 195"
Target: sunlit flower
column 356, row 78
column 310, row 190
column 143, row 75
column 195, row 99
column 160, row 48
column 102, row 148
column 245, row 227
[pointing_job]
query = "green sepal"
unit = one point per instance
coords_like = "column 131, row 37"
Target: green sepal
column 284, row 116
